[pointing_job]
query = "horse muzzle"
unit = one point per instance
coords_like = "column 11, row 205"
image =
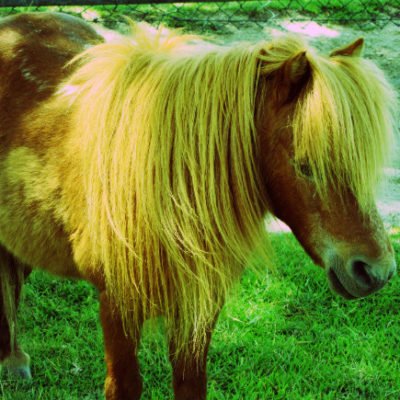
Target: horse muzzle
column 359, row 277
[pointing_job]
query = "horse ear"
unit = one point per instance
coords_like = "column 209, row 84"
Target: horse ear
column 293, row 75
column 296, row 68
column 354, row 49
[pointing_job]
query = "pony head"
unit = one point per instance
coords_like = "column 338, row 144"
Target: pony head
column 326, row 128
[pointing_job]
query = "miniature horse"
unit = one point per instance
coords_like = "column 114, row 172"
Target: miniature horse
column 145, row 165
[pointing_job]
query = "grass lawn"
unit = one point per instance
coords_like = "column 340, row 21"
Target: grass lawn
column 283, row 336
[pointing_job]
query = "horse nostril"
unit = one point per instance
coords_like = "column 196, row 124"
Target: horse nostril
column 390, row 276
column 361, row 273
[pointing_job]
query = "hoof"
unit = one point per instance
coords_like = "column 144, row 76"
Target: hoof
column 23, row 372
column 17, row 365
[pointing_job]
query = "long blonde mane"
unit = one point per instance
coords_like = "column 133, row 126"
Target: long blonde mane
column 169, row 150
column 173, row 195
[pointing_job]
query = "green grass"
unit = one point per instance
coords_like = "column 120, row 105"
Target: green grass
column 284, row 336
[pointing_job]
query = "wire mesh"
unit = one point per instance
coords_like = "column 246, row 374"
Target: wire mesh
column 220, row 16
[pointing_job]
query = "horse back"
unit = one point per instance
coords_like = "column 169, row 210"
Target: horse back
column 35, row 49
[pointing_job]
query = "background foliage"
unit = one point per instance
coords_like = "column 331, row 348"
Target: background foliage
column 214, row 16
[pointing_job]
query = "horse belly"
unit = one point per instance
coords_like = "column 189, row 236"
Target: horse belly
column 30, row 215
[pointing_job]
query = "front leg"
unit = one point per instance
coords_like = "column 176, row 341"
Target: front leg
column 189, row 371
column 123, row 380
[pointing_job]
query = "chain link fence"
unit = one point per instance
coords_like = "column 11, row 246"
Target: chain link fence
column 220, row 16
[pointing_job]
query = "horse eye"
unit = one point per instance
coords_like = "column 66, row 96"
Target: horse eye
column 305, row 170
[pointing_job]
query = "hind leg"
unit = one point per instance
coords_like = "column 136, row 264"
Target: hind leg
column 12, row 275
column 17, row 364
column 123, row 380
